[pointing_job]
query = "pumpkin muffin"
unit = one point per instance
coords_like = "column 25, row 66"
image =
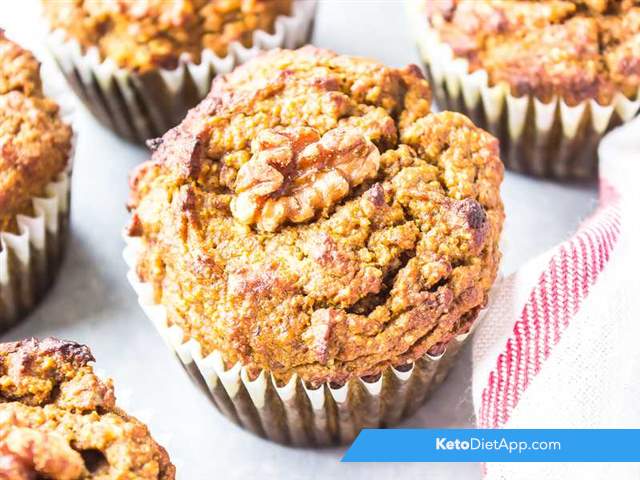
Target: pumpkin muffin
column 313, row 217
column 58, row 420
column 35, row 142
column 35, row 155
column 142, row 39
column 584, row 54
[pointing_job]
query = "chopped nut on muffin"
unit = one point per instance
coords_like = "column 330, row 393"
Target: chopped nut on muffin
column 154, row 33
column 59, row 421
column 576, row 49
column 35, row 143
column 313, row 216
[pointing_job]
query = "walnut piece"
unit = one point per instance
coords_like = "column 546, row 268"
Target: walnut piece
column 294, row 173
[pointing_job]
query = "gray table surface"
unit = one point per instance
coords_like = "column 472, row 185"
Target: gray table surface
column 92, row 302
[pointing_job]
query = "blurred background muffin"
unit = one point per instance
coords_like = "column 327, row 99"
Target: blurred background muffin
column 548, row 78
column 58, row 420
column 35, row 160
column 139, row 66
column 309, row 227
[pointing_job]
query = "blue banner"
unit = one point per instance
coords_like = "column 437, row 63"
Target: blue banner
column 481, row 445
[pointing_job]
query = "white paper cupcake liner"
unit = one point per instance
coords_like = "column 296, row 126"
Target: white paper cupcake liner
column 143, row 106
column 295, row 414
column 30, row 258
column 554, row 139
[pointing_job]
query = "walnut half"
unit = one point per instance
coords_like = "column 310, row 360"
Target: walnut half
column 294, row 173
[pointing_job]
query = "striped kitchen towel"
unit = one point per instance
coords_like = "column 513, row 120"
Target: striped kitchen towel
column 560, row 345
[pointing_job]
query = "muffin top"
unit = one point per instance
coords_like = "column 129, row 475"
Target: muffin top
column 34, row 142
column 312, row 215
column 148, row 34
column 59, row 421
column 578, row 50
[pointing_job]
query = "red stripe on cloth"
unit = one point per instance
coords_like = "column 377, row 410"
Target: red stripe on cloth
column 553, row 302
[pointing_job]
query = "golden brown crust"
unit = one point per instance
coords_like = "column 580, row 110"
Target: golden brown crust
column 577, row 50
column 386, row 245
column 154, row 33
column 35, row 143
column 20, row 70
column 58, row 420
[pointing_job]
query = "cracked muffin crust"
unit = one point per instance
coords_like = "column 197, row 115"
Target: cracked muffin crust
column 147, row 34
column 59, row 421
column 575, row 49
column 35, row 144
column 313, row 216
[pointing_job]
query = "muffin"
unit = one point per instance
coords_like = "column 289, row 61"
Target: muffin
column 35, row 157
column 311, row 239
column 58, row 420
column 139, row 66
column 548, row 78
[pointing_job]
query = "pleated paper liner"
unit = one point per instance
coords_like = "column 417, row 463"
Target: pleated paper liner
column 553, row 140
column 295, row 414
column 143, row 106
column 29, row 259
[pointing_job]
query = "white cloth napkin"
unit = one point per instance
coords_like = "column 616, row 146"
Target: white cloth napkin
column 559, row 347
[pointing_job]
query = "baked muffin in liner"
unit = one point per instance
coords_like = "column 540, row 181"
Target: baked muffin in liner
column 141, row 106
column 295, row 413
column 59, row 418
column 314, row 244
column 552, row 139
column 31, row 253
